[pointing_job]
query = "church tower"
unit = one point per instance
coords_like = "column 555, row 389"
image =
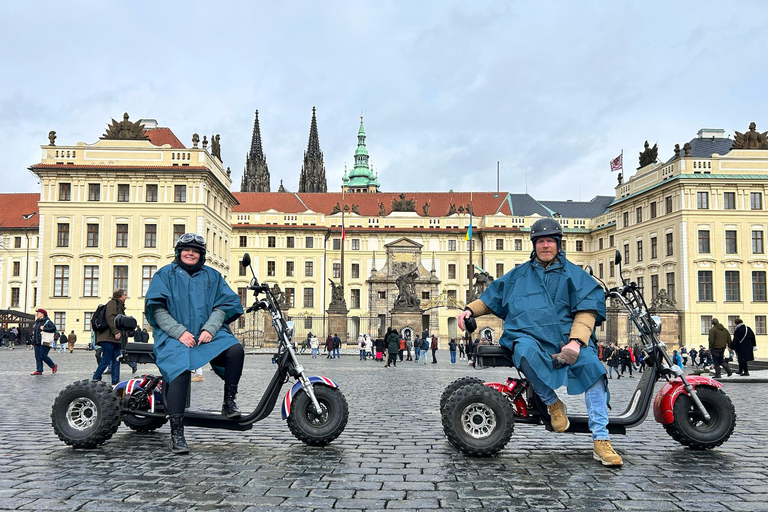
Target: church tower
column 256, row 175
column 361, row 179
column 312, row 178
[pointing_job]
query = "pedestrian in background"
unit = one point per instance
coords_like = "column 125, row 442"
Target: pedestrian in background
column 452, row 350
column 393, row 346
column 719, row 339
column 461, row 349
column 337, row 346
column 408, row 348
column 612, row 358
column 71, row 340
column 109, row 338
column 361, row 346
column 329, row 346
column 744, row 345
column 433, row 346
column 417, row 347
column 40, row 342
column 62, row 342
column 314, row 345
column 424, row 349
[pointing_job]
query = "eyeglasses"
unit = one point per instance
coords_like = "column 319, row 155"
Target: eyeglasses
column 188, row 237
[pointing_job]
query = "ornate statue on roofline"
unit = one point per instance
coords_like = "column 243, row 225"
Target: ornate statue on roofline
column 649, row 155
column 403, row 204
column 125, row 130
column 750, row 140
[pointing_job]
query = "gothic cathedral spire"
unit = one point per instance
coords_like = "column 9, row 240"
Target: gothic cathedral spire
column 256, row 175
column 312, row 178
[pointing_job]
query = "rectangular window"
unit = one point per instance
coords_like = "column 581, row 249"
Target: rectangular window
column 290, row 242
column 499, row 270
column 271, row 241
column 91, row 281
column 241, row 270
column 17, row 242
column 354, row 295
column 178, row 230
column 123, row 193
column 60, row 319
column 579, row 245
column 639, row 214
column 702, row 200
column 65, row 192
column 355, row 244
column 760, row 324
column 355, row 271
column 243, row 241
column 289, row 269
column 151, row 193
column 336, row 270
column 626, row 254
column 757, row 242
column 120, row 277
column 309, row 268
column 61, row 280
column 424, row 295
column 382, row 295
column 600, row 268
column 704, row 241
column 653, row 210
column 62, row 235
column 706, row 324
column 147, row 273
column 451, row 245
column 610, row 241
column 654, row 285
column 625, row 218
column 668, row 204
column 730, row 242
column 336, row 244
column 92, row 235
column 729, row 200
column 639, row 250
column 671, row 285
column 308, row 322
column 290, row 297
column 670, row 244
column 600, row 244
column 180, row 193
column 654, row 249
column 499, row 244
column 309, row 297
column 518, row 245
column 94, row 192
column 732, row 288
column 641, row 285
column 756, row 200
column 150, row 235
column 122, row 235
column 16, row 268
column 705, row 286
column 309, row 242
column 611, row 268
column 451, row 271
column 758, row 286
column 270, row 268
column 15, row 294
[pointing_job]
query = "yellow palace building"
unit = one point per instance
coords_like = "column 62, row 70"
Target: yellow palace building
column 690, row 229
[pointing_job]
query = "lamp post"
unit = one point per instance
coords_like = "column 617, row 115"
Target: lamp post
column 26, row 262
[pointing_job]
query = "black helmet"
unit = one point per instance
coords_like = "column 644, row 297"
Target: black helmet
column 191, row 240
column 546, row 227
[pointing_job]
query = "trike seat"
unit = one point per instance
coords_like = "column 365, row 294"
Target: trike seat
column 139, row 352
column 493, row 355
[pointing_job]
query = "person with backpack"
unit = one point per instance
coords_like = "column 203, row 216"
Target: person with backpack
column 424, row 348
column 62, row 342
column 109, row 338
column 452, row 350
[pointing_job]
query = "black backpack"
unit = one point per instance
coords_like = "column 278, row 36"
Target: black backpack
column 99, row 319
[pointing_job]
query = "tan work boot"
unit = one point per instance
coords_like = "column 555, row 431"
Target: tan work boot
column 197, row 378
column 558, row 416
column 605, row 453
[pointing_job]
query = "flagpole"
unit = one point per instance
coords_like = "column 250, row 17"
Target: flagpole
column 342, row 241
column 469, row 241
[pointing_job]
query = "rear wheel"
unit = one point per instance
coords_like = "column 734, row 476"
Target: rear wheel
column 133, row 406
column 453, row 386
column 318, row 430
column 478, row 420
column 86, row 414
column 691, row 429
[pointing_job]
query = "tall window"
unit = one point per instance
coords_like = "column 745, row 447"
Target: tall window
column 271, row 241
column 17, row 242
column 147, row 273
column 600, row 244
column 730, row 241
column 732, row 289
column 705, row 285
column 92, row 235
column 15, row 294
column 626, row 254
column 243, row 241
column 355, row 244
column 337, row 244
column 758, row 286
column 499, row 270
column 670, row 244
column 706, row 323
column 625, row 218
column 639, row 214
column 702, row 200
column 610, row 241
column 61, row 280
column 290, row 297
column 600, row 268
column 60, row 319
column 309, row 297
column 16, row 268
column 150, row 235
column 639, row 250
column 756, row 200
column 641, row 285
column 671, row 285
column 654, row 285
column 122, row 235
column 180, row 193
column 499, row 244
column 729, row 200
column 760, row 324
column 309, row 242
column 451, row 271
column 654, row 249
column 151, row 196
column 271, row 268
column 178, row 230
column 65, row 192
column 290, row 242
column 704, row 241
column 120, row 277
column 91, row 281
column 355, row 270
column 668, row 204
column 123, row 193
column 579, row 245
column 611, row 268
column 94, row 192
column 62, row 235
column 309, row 268
column 451, row 245
column 337, row 270
column 241, row 270
column 757, row 242
column 289, row 269
column 653, row 210
column 354, row 295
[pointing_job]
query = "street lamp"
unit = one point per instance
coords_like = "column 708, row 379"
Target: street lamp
column 26, row 262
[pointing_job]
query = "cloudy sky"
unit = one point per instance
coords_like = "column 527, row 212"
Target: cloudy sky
column 551, row 90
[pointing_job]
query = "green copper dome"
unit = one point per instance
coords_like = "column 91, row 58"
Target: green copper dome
column 361, row 176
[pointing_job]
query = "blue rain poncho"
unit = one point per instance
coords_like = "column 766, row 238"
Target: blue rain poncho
column 190, row 301
column 537, row 305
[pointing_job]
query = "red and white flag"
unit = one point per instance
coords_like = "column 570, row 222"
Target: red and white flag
column 617, row 163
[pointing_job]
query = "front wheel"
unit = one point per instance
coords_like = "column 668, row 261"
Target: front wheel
column 315, row 430
column 453, row 386
column 478, row 420
column 689, row 427
column 86, row 414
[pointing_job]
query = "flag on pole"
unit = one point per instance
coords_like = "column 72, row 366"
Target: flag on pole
column 617, row 164
column 468, row 236
column 343, row 232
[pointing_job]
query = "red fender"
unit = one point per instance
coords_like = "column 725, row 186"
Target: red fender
column 665, row 398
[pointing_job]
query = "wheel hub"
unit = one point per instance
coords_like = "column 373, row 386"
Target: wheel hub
column 82, row 413
column 478, row 420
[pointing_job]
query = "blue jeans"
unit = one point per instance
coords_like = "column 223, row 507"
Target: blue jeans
column 110, row 353
column 612, row 369
column 453, row 357
column 595, row 397
column 41, row 356
column 424, row 354
column 362, row 354
column 314, row 353
column 337, row 352
column 417, row 351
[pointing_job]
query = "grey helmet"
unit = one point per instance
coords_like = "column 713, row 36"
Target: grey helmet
column 546, row 227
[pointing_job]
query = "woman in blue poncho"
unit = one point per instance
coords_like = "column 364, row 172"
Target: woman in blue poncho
column 190, row 306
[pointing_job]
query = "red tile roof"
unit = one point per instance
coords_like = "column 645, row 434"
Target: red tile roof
column 483, row 203
column 160, row 136
column 15, row 206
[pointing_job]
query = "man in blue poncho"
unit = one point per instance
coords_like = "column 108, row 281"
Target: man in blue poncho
column 546, row 302
column 190, row 306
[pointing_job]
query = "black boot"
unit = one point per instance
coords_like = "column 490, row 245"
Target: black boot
column 229, row 407
column 178, row 443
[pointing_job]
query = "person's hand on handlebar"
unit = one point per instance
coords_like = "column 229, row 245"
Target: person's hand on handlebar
column 187, row 339
column 462, row 317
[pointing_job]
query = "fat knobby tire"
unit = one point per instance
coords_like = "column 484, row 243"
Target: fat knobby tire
column 478, row 420
column 142, row 423
column 86, row 414
column 689, row 428
column 314, row 431
column 453, row 386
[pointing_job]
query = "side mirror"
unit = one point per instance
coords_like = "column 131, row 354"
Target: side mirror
column 588, row 270
column 656, row 324
column 617, row 257
column 246, row 261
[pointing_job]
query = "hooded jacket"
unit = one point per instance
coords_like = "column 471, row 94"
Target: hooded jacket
column 719, row 337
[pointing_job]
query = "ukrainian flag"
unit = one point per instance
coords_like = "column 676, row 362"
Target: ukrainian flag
column 468, row 236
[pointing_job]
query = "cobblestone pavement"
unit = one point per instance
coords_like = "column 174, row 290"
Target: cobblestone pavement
column 393, row 454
